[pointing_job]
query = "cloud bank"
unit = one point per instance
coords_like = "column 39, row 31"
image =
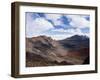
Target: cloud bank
column 57, row 26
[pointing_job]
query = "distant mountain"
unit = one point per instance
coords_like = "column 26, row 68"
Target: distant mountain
column 44, row 51
column 75, row 42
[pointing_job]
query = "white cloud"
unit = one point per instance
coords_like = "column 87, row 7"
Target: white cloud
column 67, row 33
column 64, row 30
column 37, row 26
column 58, row 36
column 79, row 32
column 40, row 24
column 59, row 30
column 78, row 21
column 55, row 18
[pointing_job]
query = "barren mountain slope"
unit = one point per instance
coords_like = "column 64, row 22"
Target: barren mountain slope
column 44, row 51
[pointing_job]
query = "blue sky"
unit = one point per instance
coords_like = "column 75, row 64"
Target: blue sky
column 57, row 26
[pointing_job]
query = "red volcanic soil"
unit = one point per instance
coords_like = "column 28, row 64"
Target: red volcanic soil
column 78, row 56
column 80, row 52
